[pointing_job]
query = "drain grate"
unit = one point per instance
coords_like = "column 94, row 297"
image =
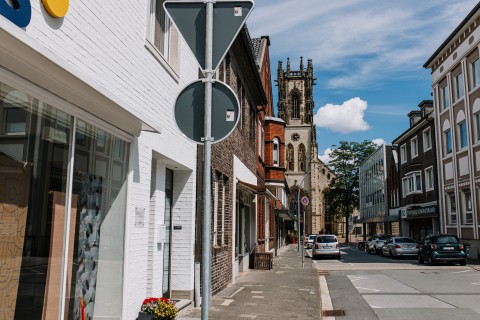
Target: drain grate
column 333, row 313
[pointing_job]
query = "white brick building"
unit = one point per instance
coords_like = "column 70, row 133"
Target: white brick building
column 103, row 204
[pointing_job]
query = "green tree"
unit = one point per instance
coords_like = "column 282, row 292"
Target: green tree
column 344, row 193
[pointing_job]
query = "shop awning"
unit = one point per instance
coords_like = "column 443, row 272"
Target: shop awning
column 251, row 187
column 28, row 58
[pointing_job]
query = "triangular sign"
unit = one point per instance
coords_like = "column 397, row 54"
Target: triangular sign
column 190, row 19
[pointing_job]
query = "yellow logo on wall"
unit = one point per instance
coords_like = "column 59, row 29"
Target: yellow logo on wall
column 56, row 8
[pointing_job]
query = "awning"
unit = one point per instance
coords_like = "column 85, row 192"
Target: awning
column 27, row 57
column 251, row 187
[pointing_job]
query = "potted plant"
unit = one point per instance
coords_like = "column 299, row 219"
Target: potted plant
column 157, row 309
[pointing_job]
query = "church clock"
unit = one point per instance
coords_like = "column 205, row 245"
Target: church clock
column 295, row 137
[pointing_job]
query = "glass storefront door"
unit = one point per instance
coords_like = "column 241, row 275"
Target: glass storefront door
column 61, row 227
column 167, row 251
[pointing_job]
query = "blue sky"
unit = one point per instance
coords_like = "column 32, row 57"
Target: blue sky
column 368, row 58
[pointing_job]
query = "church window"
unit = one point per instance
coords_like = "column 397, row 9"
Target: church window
column 301, row 158
column 295, row 107
column 290, row 160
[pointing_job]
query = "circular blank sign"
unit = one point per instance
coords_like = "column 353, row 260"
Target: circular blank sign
column 190, row 111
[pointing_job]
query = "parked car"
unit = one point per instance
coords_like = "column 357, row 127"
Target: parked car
column 442, row 248
column 326, row 245
column 400, row 246
column 310, row 240
column 375, row 244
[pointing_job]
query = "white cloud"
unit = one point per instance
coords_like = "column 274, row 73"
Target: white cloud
column 361, row 41
column 325, row 158
column 379, row 142
column 344, row 118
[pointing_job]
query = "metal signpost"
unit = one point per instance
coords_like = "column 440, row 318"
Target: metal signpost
column 305, row 202
column 209, row 27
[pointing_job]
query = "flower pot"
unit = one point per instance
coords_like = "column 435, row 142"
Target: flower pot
column 144, row 316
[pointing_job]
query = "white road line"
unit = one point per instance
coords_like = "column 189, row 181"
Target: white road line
column 374, row 290
column 461, row 271
column 241, row 288
column 227, row 302
column 476, row 283
column 325, row 298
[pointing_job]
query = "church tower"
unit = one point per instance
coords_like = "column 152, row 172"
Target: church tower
column 295, row 107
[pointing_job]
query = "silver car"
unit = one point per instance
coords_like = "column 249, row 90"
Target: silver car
column 326, row 245
column 400, row 246
column 311, row 240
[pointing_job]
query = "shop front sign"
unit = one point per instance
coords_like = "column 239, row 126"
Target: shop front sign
column 20, row 11
column 430, row 211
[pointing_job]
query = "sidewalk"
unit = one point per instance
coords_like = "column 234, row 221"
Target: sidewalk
column 288, row 291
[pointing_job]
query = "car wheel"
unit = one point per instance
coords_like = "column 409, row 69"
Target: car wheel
column 420, row 259
column 390, row 254
column 377, row 251
column 339, row 257
column 463, row 262
column 367, row 249
column 431, row 261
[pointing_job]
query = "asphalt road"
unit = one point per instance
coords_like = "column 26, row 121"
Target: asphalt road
column 367, row 286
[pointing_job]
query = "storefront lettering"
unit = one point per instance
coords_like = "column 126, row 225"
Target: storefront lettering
column 426, row 211
column 20, row 11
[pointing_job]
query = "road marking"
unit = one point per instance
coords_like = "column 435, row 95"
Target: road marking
column 257, row 291
column 240, row 289
column 374, row 290
column 258, row 297
column 461, row 271
column 376, row 307
column 251, row 316
column 355, row 278
column 476, row 283
column 227, row 302
column 325, row 298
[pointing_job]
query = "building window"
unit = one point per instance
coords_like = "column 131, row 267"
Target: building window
column 477, row 123
column 159, row 28
column 290, row 156
column 459, row 86
column 475, row 73
column 467, row 207
column 452, row 209
column 414, row 147
column 448, row 141
column 462, row 134
column 403, row 153
column 301, row 158
column 445, row 97
column 276, row 147
column 261, row 139
column 295, row 107
column 412, row 183
column 427, row 139
column 429, row 179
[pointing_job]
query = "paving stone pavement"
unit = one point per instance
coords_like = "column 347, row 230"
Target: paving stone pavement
column 288, row 291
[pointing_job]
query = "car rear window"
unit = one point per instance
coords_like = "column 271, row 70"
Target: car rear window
column 311, row 237
column 405, row 240
column 383, row 237
column 326, row 239
column 447, row 239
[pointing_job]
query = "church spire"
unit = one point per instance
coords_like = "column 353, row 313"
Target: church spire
column 301, row 66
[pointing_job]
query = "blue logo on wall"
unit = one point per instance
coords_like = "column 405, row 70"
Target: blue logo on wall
column 20, row 13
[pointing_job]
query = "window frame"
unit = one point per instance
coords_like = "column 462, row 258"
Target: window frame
column 414, row 147
column 462, row 135
column 427, row 137
column 448, row 147
column 403, row 154
column 475, row 70
column 410, row 183
column 429, row 179
column 276, row 152
column 452, row 209
column 445, row 97
column 459, row 86
column 467, row 210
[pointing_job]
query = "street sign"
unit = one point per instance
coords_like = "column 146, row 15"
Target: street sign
column 305, row 201
column 190, row 111
column 190, row 19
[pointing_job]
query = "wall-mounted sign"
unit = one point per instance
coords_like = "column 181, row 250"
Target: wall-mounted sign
column 20, row 12
column 429, row 211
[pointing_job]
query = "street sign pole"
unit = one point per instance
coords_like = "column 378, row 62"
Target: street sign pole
column 206, row 258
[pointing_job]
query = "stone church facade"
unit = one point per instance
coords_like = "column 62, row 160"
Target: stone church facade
column 295, row 107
